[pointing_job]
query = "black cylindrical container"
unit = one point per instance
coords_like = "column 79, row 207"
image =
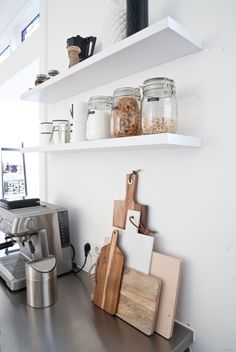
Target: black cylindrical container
column 136, row 16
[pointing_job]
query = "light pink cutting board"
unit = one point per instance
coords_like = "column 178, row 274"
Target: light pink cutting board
column 168, row 269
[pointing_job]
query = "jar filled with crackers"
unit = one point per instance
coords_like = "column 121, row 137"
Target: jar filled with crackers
column 126, row 114
column 159, row 107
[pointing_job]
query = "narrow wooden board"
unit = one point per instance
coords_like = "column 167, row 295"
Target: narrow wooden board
column 121, row 206
column 168, row 269
column 139, row 297
column 108, row 276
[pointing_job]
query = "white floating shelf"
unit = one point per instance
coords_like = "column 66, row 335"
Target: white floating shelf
column 157, row 44
column 162, row 140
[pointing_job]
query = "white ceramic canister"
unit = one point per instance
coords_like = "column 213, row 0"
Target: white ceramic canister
column 45, row 127
column 45, row 138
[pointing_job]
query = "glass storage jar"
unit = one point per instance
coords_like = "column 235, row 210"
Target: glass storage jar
column 159, row 108
column 126, row 117
column 99, row 117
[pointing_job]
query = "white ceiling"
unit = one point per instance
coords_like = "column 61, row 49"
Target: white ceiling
column 8, row 10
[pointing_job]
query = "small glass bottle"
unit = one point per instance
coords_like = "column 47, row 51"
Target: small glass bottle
column 126, row 117
column 99, row 117
column 159, row 107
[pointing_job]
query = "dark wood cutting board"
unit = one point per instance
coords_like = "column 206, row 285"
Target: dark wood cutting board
column 108, row 276
column 139, row 298
column 121, row 207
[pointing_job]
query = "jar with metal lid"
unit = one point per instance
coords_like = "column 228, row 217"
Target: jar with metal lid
column 159, row 107
column 126, row 117
column 40, row 78
column 99, row 117
column 53, row 73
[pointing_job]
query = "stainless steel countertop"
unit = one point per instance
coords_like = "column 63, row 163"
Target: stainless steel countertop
column 74, row 324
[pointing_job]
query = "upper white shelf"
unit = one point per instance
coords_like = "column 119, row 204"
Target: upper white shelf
column 162, row 140
column 157, row 44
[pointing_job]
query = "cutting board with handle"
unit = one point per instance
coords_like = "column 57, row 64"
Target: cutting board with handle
column 109, row 272
column 168, row 269
column 139, row 298
column 136, row 247
column 121, row 206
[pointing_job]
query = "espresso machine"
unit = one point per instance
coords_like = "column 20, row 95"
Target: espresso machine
column 40, row 231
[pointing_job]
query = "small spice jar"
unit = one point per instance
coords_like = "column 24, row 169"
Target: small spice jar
column 159, row 107
column 126, row 117
column 53, row 73
column 40, row 78
column 99, row 117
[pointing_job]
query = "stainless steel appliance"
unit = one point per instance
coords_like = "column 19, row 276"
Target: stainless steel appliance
column 40, row 231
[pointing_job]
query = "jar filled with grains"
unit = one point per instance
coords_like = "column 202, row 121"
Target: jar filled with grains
column 159, row 107
column 126, row 116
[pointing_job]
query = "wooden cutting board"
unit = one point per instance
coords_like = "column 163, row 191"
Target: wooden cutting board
column 136, row 247
column 168, row 269
column 108, row 276
column 121, row 206
column 139, row 297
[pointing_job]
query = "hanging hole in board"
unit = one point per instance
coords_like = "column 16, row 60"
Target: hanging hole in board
column 130, row 179
column 134, row 172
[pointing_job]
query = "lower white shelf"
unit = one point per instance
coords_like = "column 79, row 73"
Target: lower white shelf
column 163, row 140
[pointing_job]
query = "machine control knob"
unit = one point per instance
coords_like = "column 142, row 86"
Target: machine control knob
column 31, row 223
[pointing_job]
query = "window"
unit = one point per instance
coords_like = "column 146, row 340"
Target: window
column 13, row 173
column 30, row 28
column 19, row 123
column 5, row 53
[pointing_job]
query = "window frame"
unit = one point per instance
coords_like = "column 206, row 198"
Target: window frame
column 3, row 51
column 24, row 31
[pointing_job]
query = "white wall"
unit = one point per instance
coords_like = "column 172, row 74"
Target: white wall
column 191, row 193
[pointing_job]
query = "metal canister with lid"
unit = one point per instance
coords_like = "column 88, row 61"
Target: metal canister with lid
column 159, row 107
column 126, row 117
column 41, row 282
column 99, row 117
